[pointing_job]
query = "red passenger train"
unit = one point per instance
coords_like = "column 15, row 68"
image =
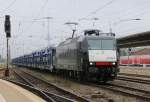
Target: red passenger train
column 139, row 57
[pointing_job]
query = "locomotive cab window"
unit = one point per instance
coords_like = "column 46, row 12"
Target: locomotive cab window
column 108, row 44
column 97, row 44
column 94, row 44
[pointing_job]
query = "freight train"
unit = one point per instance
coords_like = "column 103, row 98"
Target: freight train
column 90, row 56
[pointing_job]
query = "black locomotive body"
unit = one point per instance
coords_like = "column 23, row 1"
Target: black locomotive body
column 93, row 55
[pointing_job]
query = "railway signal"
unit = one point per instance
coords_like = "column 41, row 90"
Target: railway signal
column 7, row 27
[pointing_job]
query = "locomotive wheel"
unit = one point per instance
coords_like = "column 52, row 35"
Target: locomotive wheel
column 104, row 81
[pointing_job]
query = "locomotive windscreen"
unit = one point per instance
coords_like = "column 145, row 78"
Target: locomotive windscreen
column 97, row 44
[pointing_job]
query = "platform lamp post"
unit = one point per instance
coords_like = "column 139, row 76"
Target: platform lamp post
column 7, row 27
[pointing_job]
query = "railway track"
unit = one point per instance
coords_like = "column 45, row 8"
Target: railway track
column 135, row 75
column 123, row 89
column 2, row 69
column 127, row 90
column 114, row 87
column 136, row 80
column 50, row 92
column 130, row 91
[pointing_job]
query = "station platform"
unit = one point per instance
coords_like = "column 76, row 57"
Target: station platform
column 10, row 92
column 135, row 70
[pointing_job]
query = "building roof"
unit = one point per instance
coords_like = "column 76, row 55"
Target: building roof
column 134, row 40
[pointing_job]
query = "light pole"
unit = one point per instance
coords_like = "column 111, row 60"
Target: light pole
column 48, row 24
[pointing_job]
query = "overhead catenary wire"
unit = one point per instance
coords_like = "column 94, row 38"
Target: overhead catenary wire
column 41, row 9
column 98, row 9
column 32, row 22
column 9, row 6
column 133, row 29
column 132, row 14
column 127, row 11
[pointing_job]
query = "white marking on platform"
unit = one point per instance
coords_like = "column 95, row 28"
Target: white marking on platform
column 2, row 99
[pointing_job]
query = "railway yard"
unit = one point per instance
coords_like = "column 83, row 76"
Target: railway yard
column 128, row 87
column 75, row 51
column 79, row 69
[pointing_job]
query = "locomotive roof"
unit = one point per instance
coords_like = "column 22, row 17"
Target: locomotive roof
column 81, row 38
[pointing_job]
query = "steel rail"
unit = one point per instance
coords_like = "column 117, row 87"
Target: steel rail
column 34, row 90
column 2, row 69
column 56, row 96
column 135, row 75
column 137, row 80
column 132, row 92
column 127, row 92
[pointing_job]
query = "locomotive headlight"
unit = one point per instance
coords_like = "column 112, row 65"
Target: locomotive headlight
column 91, row 63
column 113, row 63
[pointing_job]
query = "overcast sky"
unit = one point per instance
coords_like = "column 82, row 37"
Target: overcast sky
column 29, row 35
